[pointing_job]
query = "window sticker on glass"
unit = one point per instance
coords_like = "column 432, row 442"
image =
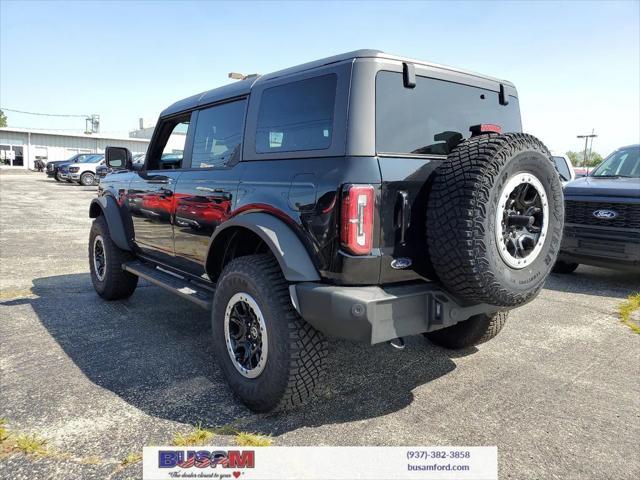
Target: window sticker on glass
column 297, row 116
column 275, row 139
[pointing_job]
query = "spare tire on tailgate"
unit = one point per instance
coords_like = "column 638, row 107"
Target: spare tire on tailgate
column 494, row 219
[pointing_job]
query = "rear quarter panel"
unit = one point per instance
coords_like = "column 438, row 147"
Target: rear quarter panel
column 304, row 193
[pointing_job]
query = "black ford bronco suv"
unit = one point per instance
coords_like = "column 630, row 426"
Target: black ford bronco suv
column 363, row 196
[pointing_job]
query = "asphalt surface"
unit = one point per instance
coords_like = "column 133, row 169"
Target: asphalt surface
column 558, row 391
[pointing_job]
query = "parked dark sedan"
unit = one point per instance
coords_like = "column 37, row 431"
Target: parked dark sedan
column 53, row 166
column 602, row 215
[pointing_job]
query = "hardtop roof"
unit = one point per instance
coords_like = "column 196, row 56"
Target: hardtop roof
column 243, row 87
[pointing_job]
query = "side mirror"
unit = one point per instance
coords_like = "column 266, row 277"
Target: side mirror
column 118, row 158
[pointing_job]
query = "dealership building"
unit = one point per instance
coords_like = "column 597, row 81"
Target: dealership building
column 21, row 147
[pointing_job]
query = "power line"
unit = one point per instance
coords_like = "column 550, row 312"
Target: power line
column 42, row 114
column 78, row 130
column 52, row 129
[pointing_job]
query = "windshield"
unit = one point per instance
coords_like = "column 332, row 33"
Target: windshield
column 93, row 159
column 621, row 163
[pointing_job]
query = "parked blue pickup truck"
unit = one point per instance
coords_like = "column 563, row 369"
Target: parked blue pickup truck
column 602, row 215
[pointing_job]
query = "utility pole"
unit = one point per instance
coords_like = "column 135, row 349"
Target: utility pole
column 586, row 145
column 591, row 142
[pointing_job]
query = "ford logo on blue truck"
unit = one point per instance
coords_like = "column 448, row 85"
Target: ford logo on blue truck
column 605, row 214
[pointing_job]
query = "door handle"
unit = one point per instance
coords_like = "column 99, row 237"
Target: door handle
column 218, row 193
column 403, row 219
column 165, row 193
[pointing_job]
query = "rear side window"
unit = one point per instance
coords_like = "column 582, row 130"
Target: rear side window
column 297, row 116
column 433, row 117
column 218, row 135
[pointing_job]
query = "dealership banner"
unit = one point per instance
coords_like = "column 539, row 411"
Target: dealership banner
column 321, row 463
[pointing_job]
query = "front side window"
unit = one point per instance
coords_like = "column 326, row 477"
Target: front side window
column 218, row 135
column 169, row 149
column 435, row 116
column 297, row 116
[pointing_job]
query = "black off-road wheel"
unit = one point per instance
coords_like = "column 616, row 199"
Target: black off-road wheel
column 271, row 358
column 495, row 219
column 474, row 331
column 565, row 267
column 105, row 263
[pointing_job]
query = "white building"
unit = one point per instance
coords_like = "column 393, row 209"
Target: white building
column 146, row 126
column 21, row 147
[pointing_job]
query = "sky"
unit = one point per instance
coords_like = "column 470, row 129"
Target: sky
column 576, row 65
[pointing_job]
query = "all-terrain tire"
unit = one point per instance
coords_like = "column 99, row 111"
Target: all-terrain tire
column 296, row 351
column 87, row 179
column 461, row 219
column 113, row 283
column 474, row 331
column 564, row 267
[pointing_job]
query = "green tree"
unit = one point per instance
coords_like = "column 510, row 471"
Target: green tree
column 577, row 159
column 3, row 119
column 594, row 159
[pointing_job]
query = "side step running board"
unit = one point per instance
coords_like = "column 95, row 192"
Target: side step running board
column 198, row 294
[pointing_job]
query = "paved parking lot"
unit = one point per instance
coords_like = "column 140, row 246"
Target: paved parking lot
column 558, row 391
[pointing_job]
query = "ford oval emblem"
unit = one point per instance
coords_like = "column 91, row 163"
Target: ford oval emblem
column 605, row 214
column 400, row 263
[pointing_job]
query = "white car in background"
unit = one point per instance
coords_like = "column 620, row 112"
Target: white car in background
column 565, row 168
column 84, row 172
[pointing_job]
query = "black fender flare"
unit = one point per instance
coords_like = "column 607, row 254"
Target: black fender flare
column 287, row 248
column 108, row 206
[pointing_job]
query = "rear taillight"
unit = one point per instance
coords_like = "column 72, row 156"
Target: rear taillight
column 356, row 228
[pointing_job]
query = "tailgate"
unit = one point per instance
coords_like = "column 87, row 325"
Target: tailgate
column 404, row 191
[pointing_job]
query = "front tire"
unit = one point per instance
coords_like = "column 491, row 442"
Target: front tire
column 474, row 331
column 58, row 177
column 271, row 358
column 87, row 179
column 105, row 263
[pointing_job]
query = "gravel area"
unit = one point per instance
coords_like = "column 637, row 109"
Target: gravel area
column 558, row 391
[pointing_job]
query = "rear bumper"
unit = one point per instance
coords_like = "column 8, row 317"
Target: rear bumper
column 378, row 314
column 609, row 248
